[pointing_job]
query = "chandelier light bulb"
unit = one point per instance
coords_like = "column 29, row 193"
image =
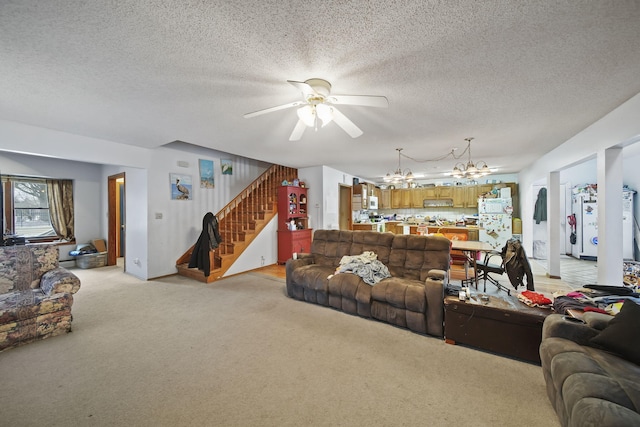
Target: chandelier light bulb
column 470, row 170
column 399, row 175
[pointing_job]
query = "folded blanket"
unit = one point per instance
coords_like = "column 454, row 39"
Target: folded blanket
column 366, row 265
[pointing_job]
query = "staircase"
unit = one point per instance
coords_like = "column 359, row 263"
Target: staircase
column 240, row 221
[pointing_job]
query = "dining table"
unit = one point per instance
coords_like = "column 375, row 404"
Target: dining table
column 471, row 249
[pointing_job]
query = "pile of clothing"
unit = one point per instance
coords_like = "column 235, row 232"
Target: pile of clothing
column 598, row 298
column 534, row 299
column 365, row 265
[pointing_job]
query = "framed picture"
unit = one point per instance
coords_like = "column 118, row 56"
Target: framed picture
column 181, row 186
column 227, row 167
column 206, row 173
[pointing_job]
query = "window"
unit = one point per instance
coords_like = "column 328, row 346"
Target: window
column 31, row 209
column 26, row 208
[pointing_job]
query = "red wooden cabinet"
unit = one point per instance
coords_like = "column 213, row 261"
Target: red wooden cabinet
column 294, row 234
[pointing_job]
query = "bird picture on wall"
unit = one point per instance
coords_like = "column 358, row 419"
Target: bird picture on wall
column 181, row 186
column 227, row 167
column 206, row 173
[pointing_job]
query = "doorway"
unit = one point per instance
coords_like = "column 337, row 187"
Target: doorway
column 344, row 216
column 116, row 237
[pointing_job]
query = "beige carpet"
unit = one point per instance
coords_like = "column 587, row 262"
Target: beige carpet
column 238, row 352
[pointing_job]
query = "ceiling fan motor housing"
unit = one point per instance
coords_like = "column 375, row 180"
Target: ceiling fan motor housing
column 320, row 86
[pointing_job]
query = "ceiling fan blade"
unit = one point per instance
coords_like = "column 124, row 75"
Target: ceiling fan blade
column 304, row 88
column 272, row 109
column 298, row 131
column 364, row 100
column 347, row 125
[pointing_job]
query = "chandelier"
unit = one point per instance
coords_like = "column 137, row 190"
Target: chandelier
column 470, row 170
column 399, row 175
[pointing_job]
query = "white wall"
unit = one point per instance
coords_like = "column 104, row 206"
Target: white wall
column 621, row 127
column 136, row 217
column 324, row 192
column 156, row 243
column 86, row 189
column 313, row 180
column 263, row 251
column 181, row 221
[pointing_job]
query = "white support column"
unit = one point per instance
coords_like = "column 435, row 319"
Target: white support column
column 610, row 216
column 553, row 225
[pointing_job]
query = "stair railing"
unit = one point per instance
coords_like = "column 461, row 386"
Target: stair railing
column 238, row 215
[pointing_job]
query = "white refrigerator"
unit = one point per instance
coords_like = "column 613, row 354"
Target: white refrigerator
column 494, row 220
column 585, row 208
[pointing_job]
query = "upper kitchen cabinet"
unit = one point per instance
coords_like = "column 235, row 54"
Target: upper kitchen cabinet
column 465, row 196
column 459, row 197
column 471, row 196
column 384, row 202
column 445, row 192
column 401, row 198
column 417, row 197
column 429, row 192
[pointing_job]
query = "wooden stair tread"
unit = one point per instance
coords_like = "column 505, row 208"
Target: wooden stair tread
column 244, row 218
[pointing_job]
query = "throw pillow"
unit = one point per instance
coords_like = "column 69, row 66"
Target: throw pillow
column 622, row 334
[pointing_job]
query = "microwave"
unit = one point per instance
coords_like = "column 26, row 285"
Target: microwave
column 373, row 202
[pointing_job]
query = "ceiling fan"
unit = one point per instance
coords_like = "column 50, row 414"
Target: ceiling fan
column 318, row 107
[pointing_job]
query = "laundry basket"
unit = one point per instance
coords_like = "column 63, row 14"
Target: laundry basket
column 98, row 259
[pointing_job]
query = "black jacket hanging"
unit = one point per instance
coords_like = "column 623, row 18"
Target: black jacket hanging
column 540, row 211
column 516, row 264
column 209, row 239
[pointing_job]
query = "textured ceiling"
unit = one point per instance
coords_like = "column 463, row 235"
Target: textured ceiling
column 520, row 76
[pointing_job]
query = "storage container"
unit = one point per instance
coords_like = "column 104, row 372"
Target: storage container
column 99, row 259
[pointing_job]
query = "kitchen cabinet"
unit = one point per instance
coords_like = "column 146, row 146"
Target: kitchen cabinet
column 359, row 197
column 391, row 227
column 429, row 192
column 456, row 196
column 459, row 197
column 417, row 196
column 484, row 188
column 515, row 199
column 445, row 192
column 384, row 202
column 465, row 196
column 406, row 197
column 401, row 198
column 356, row 202
column 471, row 196
column 292, row 209
column 396, row 198
column 365, row 227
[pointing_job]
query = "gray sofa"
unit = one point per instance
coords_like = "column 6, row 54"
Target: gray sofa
column 590, row 369
column 411, row 298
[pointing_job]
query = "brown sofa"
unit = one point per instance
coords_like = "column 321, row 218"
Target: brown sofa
column 411, row 298
column 592, row 369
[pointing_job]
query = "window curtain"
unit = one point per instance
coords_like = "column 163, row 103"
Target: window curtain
column 60, row 192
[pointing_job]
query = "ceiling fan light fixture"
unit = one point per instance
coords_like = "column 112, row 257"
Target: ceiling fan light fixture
column 319, row 108
column 308, row 115
column 324, row 113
